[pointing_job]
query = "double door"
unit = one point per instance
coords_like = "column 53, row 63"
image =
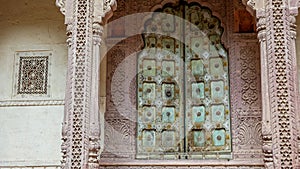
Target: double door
column 183, row 89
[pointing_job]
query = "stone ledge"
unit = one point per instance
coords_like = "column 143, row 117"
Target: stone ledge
column 12, row 103
column 212, row 163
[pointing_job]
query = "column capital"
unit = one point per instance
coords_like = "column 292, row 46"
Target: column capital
column 261, row 28
column 97, row 33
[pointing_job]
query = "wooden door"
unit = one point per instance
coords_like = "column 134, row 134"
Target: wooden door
column 183, row 88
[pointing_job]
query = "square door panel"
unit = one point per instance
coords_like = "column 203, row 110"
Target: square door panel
column 217, row 112
column 168, row 68
column 216, row 67
column 217, row 91
column 149, row 114
column 197, row 67
column 199, row 138
column 199, row 45
column 218, row 136
column 168, row 139
column 149, row 138
column 198, row 114
column 168, row 44
column 168, row 24
column 168, row 91
column 198, row 90
column 168, row 114
column 149, row 91
column 149, row 67
column 151, row 43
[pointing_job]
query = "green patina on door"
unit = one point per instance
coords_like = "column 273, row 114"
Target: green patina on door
column 183, row 89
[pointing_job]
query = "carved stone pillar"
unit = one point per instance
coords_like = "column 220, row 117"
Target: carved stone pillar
column 266, row 116
column 94, row 133
column 278, row 71
column 81, row 126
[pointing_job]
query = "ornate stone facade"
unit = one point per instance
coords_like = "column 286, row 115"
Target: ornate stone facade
column 263, row 87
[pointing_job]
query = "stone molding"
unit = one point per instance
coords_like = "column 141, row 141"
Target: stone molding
column 12, row 103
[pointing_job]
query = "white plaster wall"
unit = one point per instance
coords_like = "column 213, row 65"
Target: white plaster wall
column 31, row 135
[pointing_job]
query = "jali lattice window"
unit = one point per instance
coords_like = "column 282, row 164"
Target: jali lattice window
column 32, row 77
column 183, row 89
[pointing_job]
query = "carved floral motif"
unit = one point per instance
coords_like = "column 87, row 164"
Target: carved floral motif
column 249, row 75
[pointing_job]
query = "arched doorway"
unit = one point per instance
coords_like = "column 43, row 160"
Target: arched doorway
column 121, row 126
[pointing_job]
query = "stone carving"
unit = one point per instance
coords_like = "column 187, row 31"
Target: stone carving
column 117, row 55
column 77, row 108
column 266, row 125
column 282, row 87
column 247, row 138
column 94, row 148
column 249, row 75
column 80, row 102
column 121, row 128
column 118, row 122
column 33, row 75
column 245, row 95
column 61, row 5
column 65, row 144
column 267, row 147
column 250, row 5
column 249, row 132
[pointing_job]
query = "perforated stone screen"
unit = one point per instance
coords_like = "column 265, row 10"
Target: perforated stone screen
column 32, row 72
